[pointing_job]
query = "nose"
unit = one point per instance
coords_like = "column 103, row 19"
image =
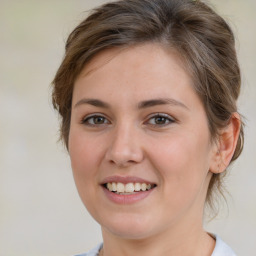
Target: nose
column 125, row 148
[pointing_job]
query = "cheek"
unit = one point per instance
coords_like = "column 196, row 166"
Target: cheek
column 183, row 164
column 85, row 157
column 181, row 153
column 85, row 152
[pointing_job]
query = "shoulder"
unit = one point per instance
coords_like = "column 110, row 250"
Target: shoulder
column 93, row 252
column 221, row 248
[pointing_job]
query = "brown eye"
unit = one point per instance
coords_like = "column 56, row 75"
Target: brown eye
column 95, row 120
column 160, row 120
column 98, row 120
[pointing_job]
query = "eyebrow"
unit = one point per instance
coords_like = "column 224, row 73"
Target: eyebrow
column 161, row 101
column 141, row 105
column 93, row 102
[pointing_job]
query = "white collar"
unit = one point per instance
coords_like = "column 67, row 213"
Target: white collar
column 221, row 249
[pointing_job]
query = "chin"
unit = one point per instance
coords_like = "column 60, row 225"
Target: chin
column 130, row 234
column 128, row 227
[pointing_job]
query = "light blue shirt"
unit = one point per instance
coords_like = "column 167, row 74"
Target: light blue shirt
column 221, row 249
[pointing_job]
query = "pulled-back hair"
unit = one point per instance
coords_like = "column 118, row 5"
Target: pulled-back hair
column 201, row 37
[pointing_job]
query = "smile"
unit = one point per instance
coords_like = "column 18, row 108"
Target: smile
column 128, row 188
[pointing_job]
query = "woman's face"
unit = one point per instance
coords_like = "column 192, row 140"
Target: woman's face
column 137, row 119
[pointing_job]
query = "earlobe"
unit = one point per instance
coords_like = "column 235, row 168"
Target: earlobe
column 227, row 142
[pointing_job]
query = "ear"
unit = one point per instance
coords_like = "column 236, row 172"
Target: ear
column 226, row 144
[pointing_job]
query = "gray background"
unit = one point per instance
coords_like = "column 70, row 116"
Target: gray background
column 40, row 210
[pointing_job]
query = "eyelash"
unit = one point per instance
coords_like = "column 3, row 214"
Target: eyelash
column 166, row 118
column 163, row 116
column 86, row 120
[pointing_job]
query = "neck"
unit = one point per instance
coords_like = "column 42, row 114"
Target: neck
column 192, row 241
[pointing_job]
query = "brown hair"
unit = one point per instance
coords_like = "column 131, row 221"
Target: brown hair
column 201, row 37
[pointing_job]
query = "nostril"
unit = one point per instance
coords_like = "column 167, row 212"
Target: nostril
column 122, row 162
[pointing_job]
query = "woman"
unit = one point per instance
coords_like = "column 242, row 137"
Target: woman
column 147, row 94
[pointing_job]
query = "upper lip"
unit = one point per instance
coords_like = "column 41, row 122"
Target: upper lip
column 125, row 180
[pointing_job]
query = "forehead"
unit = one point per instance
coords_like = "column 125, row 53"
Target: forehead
column 154, row 53
column 146, row 70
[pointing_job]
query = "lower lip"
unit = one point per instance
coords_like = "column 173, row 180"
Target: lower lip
column 127, row 199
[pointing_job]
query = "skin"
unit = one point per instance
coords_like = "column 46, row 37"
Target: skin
column 176, row 153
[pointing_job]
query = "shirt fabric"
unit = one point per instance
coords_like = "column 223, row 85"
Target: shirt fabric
column 221, row 249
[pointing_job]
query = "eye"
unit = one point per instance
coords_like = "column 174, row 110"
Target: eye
column 95, row 120
column 160, row 120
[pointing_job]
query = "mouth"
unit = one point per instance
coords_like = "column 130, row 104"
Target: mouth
column 128, row 188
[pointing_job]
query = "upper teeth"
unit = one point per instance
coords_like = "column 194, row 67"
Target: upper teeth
column 127, row 188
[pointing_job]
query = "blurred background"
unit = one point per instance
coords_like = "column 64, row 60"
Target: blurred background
column 40, row 210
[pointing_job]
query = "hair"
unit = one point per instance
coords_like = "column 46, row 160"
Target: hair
column 201, row 37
